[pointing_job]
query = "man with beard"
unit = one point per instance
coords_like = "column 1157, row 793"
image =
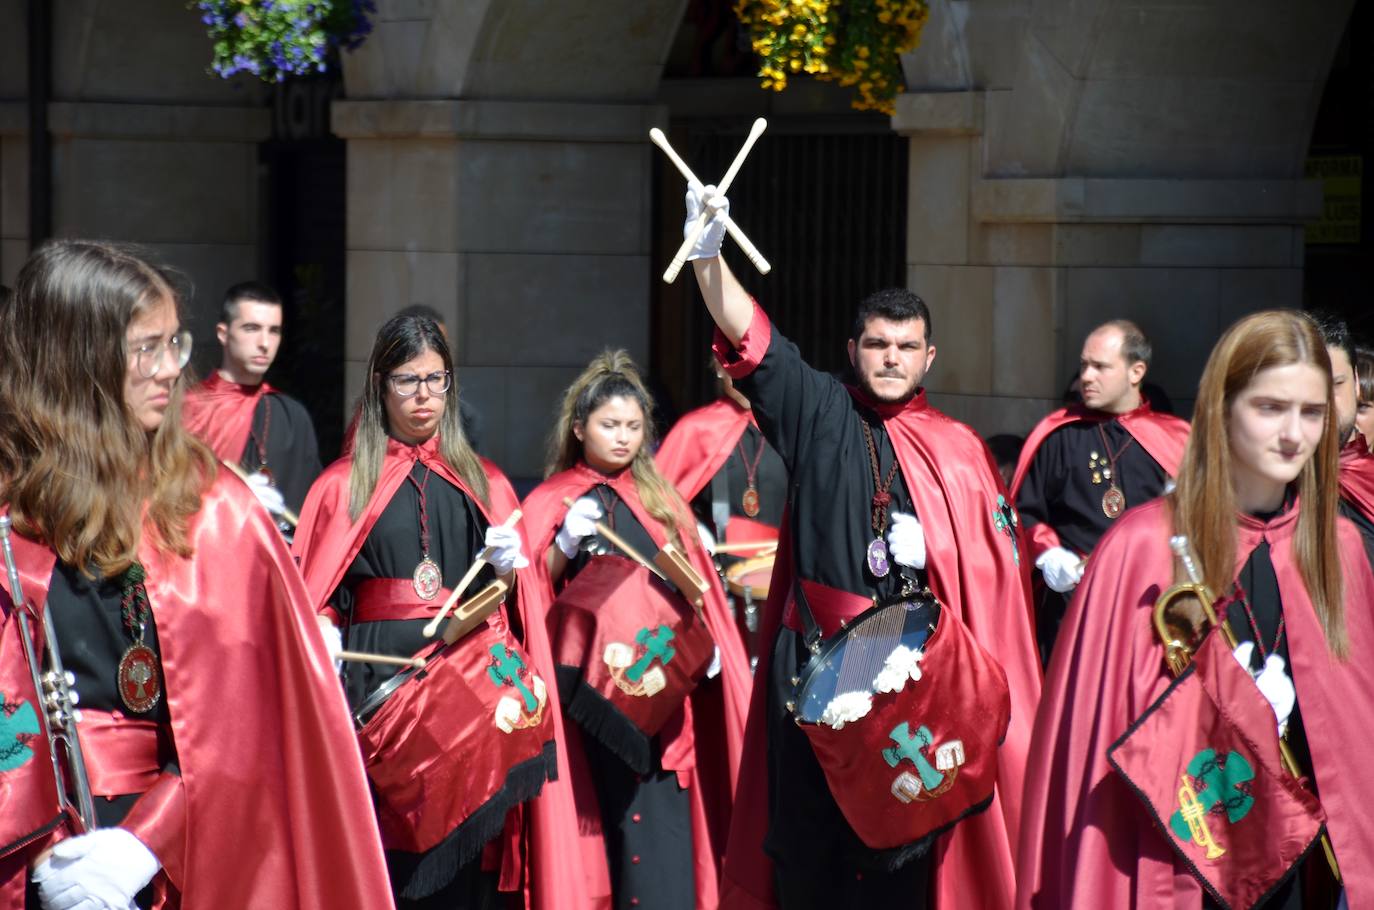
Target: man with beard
column 1357, row 464
column 884, row 489
column 243, row 419
column 1084, row 465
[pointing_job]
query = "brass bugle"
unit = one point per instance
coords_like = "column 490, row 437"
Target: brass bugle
column 57, row 712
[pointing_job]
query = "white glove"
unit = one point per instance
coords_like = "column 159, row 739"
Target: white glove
column 333, row 641
column 506, row 542
column 1062, row 569
column 708, row 540
column 580, row 522
column 102, row 869
column 906, row 541
column 708, row 242
column 267, row 494
column 1273, row 681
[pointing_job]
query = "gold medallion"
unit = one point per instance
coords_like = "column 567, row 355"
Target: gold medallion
column 427, row 579
column 140, row 681
column 750, row 502
column 1113, row 501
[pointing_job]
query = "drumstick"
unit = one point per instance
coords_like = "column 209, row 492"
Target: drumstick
column 746, row 546
column 291, row 517
column 683, row 251
column 745, row 244
column 618, row 541
column 467, row 578
column 395, row 661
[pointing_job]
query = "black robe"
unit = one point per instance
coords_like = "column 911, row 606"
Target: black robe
column 283, row 427
column 733, row 478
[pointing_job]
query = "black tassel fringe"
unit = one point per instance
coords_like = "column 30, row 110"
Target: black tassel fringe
column 603, row 721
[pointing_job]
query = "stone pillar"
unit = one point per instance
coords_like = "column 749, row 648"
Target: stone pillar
column 526, row 224
column 14, row 137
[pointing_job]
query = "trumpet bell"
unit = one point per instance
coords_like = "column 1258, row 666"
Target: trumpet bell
column 1177, row 634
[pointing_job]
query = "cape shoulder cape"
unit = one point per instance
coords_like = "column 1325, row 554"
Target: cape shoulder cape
column 700, row 443
column 263, row 737
column 1086, row 841
column 705, row 764
column 1357, row 476
column 220, row 412
column 327, row 542
column 979, row 569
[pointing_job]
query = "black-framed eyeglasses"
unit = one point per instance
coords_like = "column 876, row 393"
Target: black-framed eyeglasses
column 407, row 384
column 149, row 355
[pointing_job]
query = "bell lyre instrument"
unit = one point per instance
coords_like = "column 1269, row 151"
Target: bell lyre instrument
column 58, row 714
column 1178, row 646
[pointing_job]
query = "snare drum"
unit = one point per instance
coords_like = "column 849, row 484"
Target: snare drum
column 747, row 581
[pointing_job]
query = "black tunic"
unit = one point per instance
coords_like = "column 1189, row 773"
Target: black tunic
column 282, row 426
column 1059, row 490
column 816, row 427
column 733, row 479
column 392, row 550
column 646, row 819
column 1365, row 524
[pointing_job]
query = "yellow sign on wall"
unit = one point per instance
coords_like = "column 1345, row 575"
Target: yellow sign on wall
column 1340, row 176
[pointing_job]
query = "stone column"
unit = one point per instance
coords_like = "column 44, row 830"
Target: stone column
column 526, row 224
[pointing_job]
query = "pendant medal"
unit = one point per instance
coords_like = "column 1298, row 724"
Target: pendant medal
column 140, row 681
column 1113, row 501
column 427, row 579
column 877, row 558
column 750, row 502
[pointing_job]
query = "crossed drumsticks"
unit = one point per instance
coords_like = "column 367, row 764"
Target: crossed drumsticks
column 656, row 136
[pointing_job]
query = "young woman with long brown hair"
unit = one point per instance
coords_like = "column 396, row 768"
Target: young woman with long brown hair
column 1256, row 501
column 218, row 750
column 654, row 803
column 386, row 534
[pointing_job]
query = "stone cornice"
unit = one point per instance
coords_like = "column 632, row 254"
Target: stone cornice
column 1090, row 200
column 517, row 120
column 939, row 114
column 159, row 121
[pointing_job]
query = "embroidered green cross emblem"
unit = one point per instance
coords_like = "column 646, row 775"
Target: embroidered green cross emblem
column 506, row 672
column 911, row 747
column 656, row 647
column 1005, row 519
column 1221, row 786
column 18, row 724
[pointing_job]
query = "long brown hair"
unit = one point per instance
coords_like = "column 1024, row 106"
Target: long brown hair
column 612, row 374
column 403, row 338
column 1204, row 502
column 76, row 465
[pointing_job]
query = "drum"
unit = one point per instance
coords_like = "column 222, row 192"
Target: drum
column 451, row 748
column 747, row 581
column 905, row 712
column 629, row 649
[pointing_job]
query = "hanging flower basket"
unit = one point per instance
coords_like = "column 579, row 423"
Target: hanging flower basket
column 274, row 39
column 857, row 43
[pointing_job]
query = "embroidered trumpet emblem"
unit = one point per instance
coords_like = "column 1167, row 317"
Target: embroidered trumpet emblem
column 934, row 775
column 1218, row 789
column 514, row 713
column 1005, row 519
column 632, row 666
column 18, row 728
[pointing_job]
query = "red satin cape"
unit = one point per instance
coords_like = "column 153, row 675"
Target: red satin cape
column 707, row 766
column 326, row 543
column 1357, row 476
column 220, row 412
column 700, row 443
column 277, row 806
column 955, row 486
column 1085, row 840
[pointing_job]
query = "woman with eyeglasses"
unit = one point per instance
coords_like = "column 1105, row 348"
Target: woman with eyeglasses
column 217, row 750
column 386, row 535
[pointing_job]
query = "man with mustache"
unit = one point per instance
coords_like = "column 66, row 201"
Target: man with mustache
column 1357, row 464
column 245, row 420
column 885, row 491
column 1084, row 465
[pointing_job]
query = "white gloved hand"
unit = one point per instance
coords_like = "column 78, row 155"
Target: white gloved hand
column 506, row 542
column 708, row 242
column 333, row 641
column 102, row 869
column 1062, row 569
column 267, row 494
column 580, row 522
column 708, row 540
column 906, row 541
column 1273, row 681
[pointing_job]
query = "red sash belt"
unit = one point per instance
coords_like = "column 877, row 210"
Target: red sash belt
column 123, row 754
column 380, row 599
column 829, row 606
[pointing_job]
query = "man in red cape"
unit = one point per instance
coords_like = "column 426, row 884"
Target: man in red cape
column 1082, row 466
column 1357, row 463
column 243, row 418
column 534, row 859
column 1086, row 840
column 702, row 744
column 859, row 458
column 270, row 807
